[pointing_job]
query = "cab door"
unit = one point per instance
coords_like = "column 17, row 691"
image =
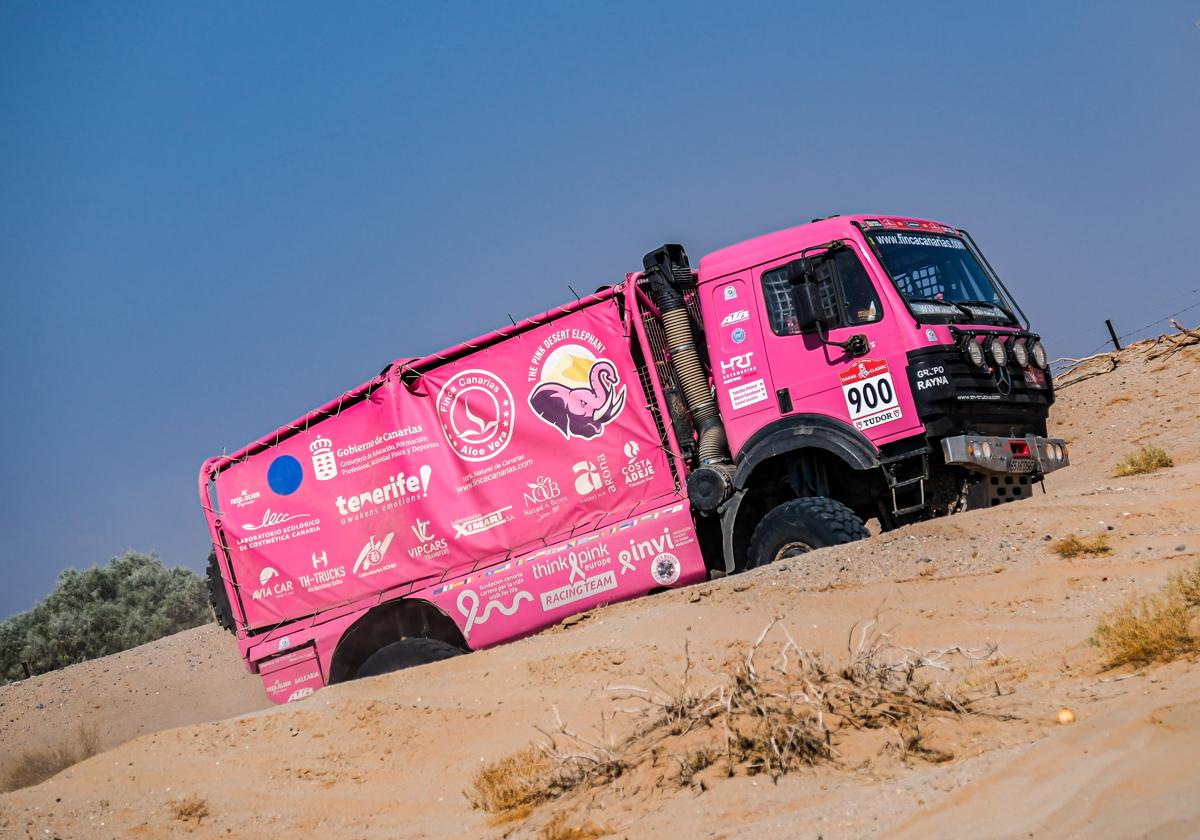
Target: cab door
column 812, row 373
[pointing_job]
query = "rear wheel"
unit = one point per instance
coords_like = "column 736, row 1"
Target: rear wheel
column 801, row 525
column 406, row 653
column 218, row 596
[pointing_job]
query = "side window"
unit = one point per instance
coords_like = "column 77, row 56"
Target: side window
column 858, row 292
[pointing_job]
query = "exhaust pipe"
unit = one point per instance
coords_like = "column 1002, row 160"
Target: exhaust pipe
column 667, row 268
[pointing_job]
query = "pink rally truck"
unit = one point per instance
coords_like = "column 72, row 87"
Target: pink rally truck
column 677, row 426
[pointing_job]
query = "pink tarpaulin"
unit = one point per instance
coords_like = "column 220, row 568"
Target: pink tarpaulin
column 526, row 442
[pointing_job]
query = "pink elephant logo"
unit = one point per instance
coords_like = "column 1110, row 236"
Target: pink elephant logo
column 577, row 393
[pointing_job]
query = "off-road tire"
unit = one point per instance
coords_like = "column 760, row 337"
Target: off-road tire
column 406, row 653
column 218, row 596
column 802, row 525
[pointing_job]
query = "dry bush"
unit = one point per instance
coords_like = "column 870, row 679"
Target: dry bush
column 1145, row 460
column 1153, row 628
column 559, row 829
column 515, row 782
column 188, row 809
column 1074, row 546
column 35, row 766
column 759, row 719
column 1186, row 585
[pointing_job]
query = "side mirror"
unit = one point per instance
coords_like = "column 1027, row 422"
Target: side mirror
column 816, row 297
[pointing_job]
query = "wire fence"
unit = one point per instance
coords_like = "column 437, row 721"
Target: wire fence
column 1166, row 319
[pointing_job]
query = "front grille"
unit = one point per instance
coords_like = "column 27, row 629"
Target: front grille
column 955, row 396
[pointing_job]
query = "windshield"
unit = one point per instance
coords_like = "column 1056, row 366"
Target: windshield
column 940, row 278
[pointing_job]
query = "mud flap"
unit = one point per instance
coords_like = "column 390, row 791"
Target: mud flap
column 292, row 676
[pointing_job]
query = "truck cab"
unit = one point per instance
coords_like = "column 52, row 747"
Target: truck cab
column 877, row 361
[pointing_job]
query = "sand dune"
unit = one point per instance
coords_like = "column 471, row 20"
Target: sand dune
column 391, row 756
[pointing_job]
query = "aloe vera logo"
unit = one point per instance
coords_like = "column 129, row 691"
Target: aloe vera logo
column 475, row 409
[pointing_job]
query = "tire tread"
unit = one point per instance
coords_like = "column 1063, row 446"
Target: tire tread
column 843, row 523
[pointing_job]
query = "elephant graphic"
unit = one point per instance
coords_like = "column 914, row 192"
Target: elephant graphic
column 578, row 394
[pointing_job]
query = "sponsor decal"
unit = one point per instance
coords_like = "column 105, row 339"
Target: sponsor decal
column 271, row 585
column 735, row 367
column 576, row 390
column 730, row 293
column 932, row 377
column 927, row 241
column 542, row 496
column 544, row 489
column 284, row 643
column 402, row 433
column 641, row 549
column 429, row 544
column 271, row 519
column 579, row 562
column 477, row 523
column 245, row 498
column 468, row 605
column 930, row 334
column 870, row 396
column 276, row 528
column 374, row 553
column 572, row 592
column 476, row 412
column 299, row 694
column 637, row 471
column 324, row 578
column 324, row 464
column 593, row 477
column 395, row 443
column 399, row 489
column 1034, row 377
column 747, row 394
column 285, row 475
column 735, row 317
column 738, row 336
column 665, row 569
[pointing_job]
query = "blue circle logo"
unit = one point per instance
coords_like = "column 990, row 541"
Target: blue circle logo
column 739, row 335
column 284, row 475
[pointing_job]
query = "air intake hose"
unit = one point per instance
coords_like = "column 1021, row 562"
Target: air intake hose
column 666, row 269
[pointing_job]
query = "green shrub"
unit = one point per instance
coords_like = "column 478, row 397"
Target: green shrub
column 132, row 600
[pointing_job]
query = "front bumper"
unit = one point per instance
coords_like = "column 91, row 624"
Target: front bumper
column 1030, row 455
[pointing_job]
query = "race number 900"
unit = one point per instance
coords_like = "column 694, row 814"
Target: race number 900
column 866, row 397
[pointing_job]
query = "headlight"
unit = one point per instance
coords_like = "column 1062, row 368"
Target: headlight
column 997, row 352
column 1039, row 354
column 1020, row 352
column 974, row 352
column 987, row 449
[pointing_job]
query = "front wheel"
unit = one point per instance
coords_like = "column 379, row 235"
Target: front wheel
column 406, row 653
column 801, row 525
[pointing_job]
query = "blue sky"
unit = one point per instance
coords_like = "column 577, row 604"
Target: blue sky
column 215, row 216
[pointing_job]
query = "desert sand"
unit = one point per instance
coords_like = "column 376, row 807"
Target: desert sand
column 392, row 756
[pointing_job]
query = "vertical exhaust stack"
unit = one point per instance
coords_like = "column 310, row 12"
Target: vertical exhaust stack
column 667, row 269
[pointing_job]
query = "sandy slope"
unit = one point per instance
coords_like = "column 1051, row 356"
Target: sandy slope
column 391, row 757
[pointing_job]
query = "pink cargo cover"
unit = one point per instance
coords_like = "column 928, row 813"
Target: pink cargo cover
column 523, row 444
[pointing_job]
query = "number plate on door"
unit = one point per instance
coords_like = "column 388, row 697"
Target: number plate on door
column 870, row 394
